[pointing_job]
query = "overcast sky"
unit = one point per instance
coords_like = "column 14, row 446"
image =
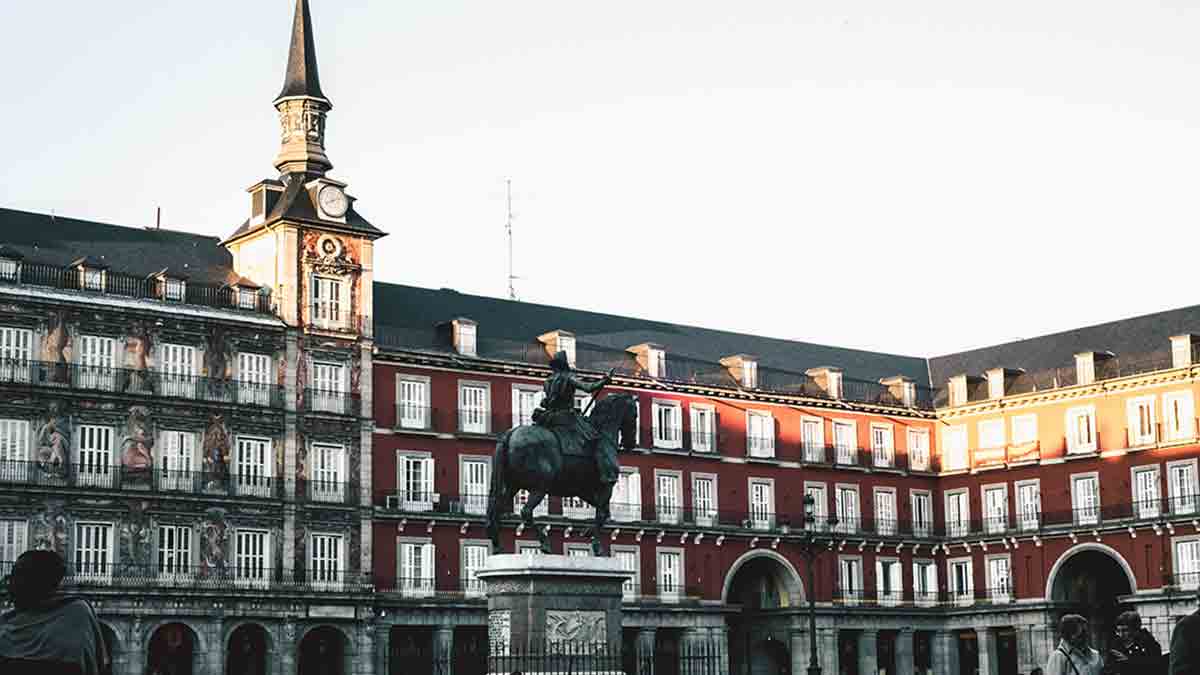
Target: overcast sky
column 916, row 177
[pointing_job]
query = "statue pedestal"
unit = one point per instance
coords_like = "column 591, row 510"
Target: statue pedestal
column 553, row 613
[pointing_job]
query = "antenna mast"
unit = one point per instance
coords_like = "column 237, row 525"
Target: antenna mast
column 512, row 292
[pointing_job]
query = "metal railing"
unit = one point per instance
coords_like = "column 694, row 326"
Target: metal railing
column 409, row 417
column 131, row 286
column 911, row 598
column 123, row 575
column 331, row 401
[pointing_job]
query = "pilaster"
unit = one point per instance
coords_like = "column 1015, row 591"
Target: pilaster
column 827, row 650
column 645, row 650
column 443, row 649
column 383, row 643
column 945, row 653
column 988, row 663
column 364, row 664
column 868, row 658
column 799, row 650
column 904, row 651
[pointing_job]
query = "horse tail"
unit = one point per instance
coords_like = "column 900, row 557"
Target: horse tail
column 499, row 501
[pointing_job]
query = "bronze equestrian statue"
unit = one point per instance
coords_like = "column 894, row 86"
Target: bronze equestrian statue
column 563, row 454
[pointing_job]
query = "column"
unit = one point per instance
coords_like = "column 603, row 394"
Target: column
column 443, row 649
column 827, row 650
column 364, row 662
column 645, row 650
column 868, row 659
column 945, row 653
column 287, row 648
column 383, row 643
column 988, row 663
column 904, row 652
column 1034, row 643
column 799, row 650
column 135, row 650
column 720, row 637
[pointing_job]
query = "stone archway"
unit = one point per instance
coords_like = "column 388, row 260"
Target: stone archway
column 763, row 579
column 173, row 649
column 324, row 650
column 1090, row 579
column 250, row 650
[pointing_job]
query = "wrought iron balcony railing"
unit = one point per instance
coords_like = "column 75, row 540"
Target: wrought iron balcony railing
column 123, row 575
column 331, row 401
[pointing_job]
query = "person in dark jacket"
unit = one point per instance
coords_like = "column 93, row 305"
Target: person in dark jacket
column 1185, row 646
column 1135, row 651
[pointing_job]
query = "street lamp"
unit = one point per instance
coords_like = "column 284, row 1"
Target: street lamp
column 810, row 552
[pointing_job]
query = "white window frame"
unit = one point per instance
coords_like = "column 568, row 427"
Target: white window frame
column 632, row 586
column 921, row 527
column 925, row 588
column 254, row 378
column 1183, row 498
column 845, row 444
column 1024, row 429
column 886, row 524
column 566, row 343
column 472, row 585
column 995, row 517
column 474, row 497
column 14, row 540
column 1085, row 514
column 177, row 369
column 177, row 460
column 412, row 413
column 1146, row 484
column 668, row 504
column 328, row 386
column 1141, row 421
column 174, row 289
column 97, row 362
column 889, row 581
column 850, row 579
column 95, row 455
column 523, row 414
column 1029, row 515
column 820, row 493
column 762, row 513
column 577, row 550
column 955, row 454
column 918, row 449
column 327, row 563
column 175, row 553
column 94, row 564
column 760, row 446
column 575, row 508
column 960, row 526
column 329, row 309
column 1179, row 416
column 627, row 496
column 14, row 450
column 253, row 477
column 413, row 497
column 883, row 445
column 1000, row 590
column 474, row 416
column 1185, row 561
column 669, row 589
column 10, row 269
column 668, row 436
column 467, row 339
column 328, row 475
column 419, row 583
column 964, row 594
column 656, row 363
column 812, row 439
column 848, row 523
column 991, row 434
column 16, row 353
column 749, row 374
column 705, row 510
column 703, row 427
column 1081, row 439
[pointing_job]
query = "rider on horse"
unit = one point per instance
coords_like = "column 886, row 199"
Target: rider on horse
column 557, row 412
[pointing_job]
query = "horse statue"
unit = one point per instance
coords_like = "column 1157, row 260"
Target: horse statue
column 528, row 457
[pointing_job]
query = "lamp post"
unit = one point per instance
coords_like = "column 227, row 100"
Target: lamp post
column 810, row 552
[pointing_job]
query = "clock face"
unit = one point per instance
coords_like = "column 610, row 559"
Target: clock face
column 333, row 201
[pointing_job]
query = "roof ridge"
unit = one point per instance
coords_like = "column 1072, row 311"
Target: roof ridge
column 133, row 228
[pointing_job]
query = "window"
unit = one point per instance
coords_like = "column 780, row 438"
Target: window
column 522, row 498
column 670, row 574
column 93, row 552
column 329, row 387
column 924, row 583
column 885, row 511
column 1179, row 416
column 1181, row 350
column 566, row 343
column 845, row 442
column 1029, row 504
column 962, row 588
column 922, row 513
column 760, row 434
column 10, row 269
column 92, row 279
column 15, row 354
column 247, row 298
column 466, row 338
column 529, row 547
column 579, row 550
column 96, row 361
column 958, row 513
column 889, row 584
column 1085, row 368
column 1147, row 495
column 327, row 305
column 883, row 445
column 476, row 476
column 474, row 557
column 847, row 509
column 176, row 460
column 668, row 496
column 954, row 448
column 704, row 499
column 995, row 509
column 627, row 496
column 850, row 582
column 474, row 407
column 1085, row 498
column 999, row 581
column 14, row 450
column 762, row 503
column 254, row 379
column 14, row 540
column 178, row 371
column 415, row 481
column 656, row 363
column 576, row 508
column 174, row 553
column 328, row 477
column 525, row 401
column 991, row 434
column 1081, row 429
column 704, row 426
column 412, row 402
column 252, row 558
column 918, row 449
column 749, row 374
column 173, row 290
column 1182, row 486
column 94, row 458
column 668, row 416
column 254, row 467
column 630, row 559
column 1141, row 429
column 1024, row 429
column 958, row 390
column 812, row 436
column 1187, row 563
column 326, row 560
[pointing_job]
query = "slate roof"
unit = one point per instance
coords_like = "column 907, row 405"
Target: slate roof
column 1137, row 335
column 408, row 315
column 296, row 204
column 302, row 78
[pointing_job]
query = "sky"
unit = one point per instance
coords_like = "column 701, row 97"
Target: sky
column 915, row 177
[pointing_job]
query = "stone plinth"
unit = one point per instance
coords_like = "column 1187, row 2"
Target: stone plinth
column 553, row 603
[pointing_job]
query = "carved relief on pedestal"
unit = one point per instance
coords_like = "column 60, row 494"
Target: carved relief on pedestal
column 575, row 627
column 499, row 632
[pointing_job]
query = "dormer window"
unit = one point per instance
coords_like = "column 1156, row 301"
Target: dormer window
column 91, row 274
column 465, row 342
column 174, row 289
column 750, row 374
column 566, row 343
column 828, row 379
column 958, row 390
column 559, row 341
column 10, row 264
column 743, row 369
column 656, row 363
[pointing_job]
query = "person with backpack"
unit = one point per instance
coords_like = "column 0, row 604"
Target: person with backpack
column 1074, row 655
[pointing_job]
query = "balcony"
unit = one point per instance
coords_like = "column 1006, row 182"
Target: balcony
column 328, row 492
column 330, row 401
column 139, row 383
column 760, row 447
column 1001, row 594
column 140, row 578
column 410, row 417
column 476, row 422
column 331, row 319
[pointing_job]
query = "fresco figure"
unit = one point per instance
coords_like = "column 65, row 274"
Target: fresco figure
column 213, row 533
column 137, row 456
column 216, row 453
column 54, row 348
column 54, row 442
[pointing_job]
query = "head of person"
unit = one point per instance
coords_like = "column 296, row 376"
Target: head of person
column 1128, row 624
column 1073, row 628
column 559, row 362
column 35, row 577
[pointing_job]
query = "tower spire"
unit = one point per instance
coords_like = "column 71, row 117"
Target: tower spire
column 301, row 104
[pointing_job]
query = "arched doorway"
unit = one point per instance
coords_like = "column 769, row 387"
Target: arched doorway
column 767, row 588
column 249, row 651
column 323, row 652
column 1090, row 579
column 172, row 651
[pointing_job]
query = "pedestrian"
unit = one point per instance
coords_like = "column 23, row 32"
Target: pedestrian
column 1185, row 646
column 46, row 631
column 1074, row 655
column 1136, row 652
